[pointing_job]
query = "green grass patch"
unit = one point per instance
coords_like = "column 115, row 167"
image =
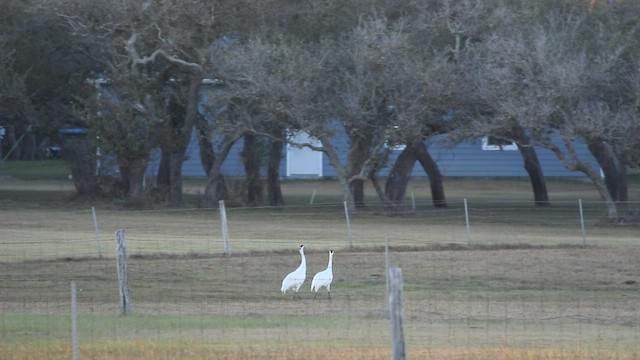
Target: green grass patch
column 54, row 169
column 45, row 328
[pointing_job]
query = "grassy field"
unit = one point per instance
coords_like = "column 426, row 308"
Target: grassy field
column 519, row 285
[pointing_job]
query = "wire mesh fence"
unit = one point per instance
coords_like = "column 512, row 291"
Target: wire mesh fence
column 489, row 280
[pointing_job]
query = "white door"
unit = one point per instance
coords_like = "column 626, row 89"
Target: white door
column 302, row 161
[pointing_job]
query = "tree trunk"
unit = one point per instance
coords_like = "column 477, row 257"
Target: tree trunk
column 251, row 160
column 30, row 146
column 215, row 189
column 399, row 176
column 12, row 139
column 183, row 136
column 359, row 152
column 135, row 179
column 623, row 184
column 175, row 178
column 274, row 191
column 80, row 154
column 163, row 176
column 357, row 189
column 607, row 163
column 532, row 166
column 207, row 155
column 612, row 208
column 341, row 174
column 433, row 172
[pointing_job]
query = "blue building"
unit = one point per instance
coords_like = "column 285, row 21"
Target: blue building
column 480, row 158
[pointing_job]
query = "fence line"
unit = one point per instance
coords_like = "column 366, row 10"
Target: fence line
column 558, row 298
column 192, row 230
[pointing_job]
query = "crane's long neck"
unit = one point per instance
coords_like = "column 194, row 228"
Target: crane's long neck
column 330, row 261
column 303, row 261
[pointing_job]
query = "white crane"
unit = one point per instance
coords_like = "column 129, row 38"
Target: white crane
column 323, row 278
column 295, row 279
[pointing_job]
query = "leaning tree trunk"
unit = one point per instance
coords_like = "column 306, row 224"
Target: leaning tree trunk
column 274, row 190
column 433, row 172
column 341, row 173
column 215, row 189
column 612, row 208
column 398, row 178
column 536, row 177
column 607, row 162
column 532, row 166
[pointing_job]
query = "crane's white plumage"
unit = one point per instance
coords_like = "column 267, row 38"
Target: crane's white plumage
column 296, row 278
column 323, row 278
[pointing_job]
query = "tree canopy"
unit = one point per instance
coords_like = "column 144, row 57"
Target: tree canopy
column 384, row 73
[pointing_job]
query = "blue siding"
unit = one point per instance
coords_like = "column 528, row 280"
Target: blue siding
column 469, row 159
column 192, row 166
column 461, row 160
column 466, row 159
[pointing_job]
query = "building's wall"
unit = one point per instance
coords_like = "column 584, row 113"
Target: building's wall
column 466, row 159
column 469, row 159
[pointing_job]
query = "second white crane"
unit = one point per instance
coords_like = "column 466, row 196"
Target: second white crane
column 323, row 278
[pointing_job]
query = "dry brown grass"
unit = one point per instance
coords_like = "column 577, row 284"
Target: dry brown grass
column 524, row 288
column 196, row 351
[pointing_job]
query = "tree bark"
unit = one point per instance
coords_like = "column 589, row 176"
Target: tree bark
column 359, row 152
column 207, row 154
column 80, row 154
column 357, row 189
column 612, row 208
column 433, row 172
column 274, row 191
column 163, row 176
column 532, row 166
column 251, row 160
column 215, row 189
column 183, row 137
column 611, row 169
column 399, row 177
column 135, row 171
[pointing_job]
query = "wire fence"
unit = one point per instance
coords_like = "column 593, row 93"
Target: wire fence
column 27, row 235
column 486, row 280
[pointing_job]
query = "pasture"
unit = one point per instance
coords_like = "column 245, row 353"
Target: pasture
column 519, row 283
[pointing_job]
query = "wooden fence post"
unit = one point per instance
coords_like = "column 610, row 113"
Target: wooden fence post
column 386, row 268
column 466, row 218
column 74, row 321
column 349, row 235
column 95, row 225
column 225, row 229
column 584, row 235
column 121, row 257
column 395, row 309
